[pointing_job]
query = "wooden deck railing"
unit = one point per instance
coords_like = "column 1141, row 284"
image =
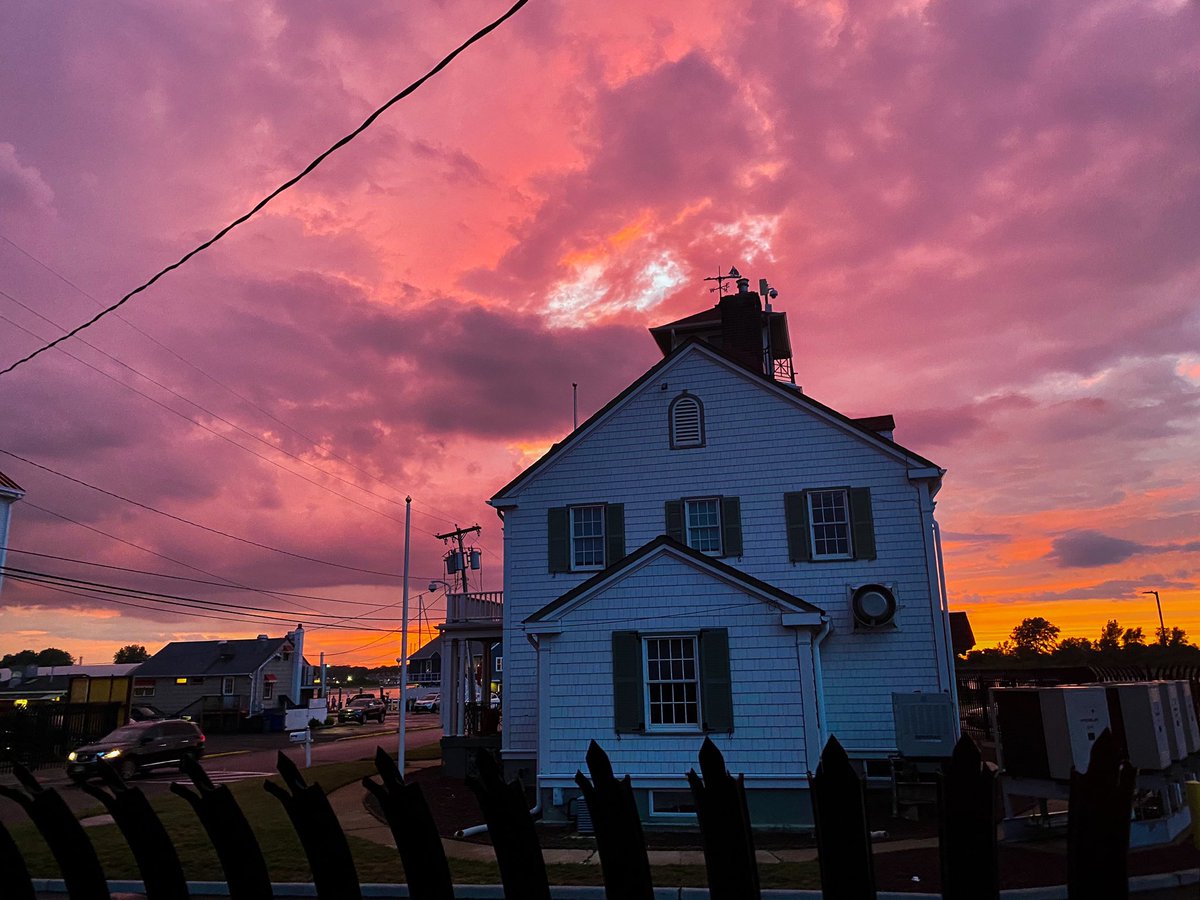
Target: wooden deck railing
column 487, row 606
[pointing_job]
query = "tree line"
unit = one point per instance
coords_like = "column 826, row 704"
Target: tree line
column 1036, row 639
column 53, row 656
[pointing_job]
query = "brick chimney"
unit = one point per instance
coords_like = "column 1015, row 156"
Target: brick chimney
column 742, row 326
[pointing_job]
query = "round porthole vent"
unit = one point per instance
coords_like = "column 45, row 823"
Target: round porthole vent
column 874, row 606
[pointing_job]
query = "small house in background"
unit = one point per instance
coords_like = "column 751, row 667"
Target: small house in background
column 425, row 664
column 228, row 685
column 715, row 553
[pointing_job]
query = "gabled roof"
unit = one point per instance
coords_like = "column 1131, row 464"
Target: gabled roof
column 788, row 393
column 663, row 545
column 9, row 487
column 184, row 658
column 427, row 650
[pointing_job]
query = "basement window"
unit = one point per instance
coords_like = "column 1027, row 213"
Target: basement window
column 675, row 804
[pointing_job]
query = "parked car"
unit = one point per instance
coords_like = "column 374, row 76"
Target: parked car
column 362, row 708
column 145, row 712
column 430, row 703
column 133, row 748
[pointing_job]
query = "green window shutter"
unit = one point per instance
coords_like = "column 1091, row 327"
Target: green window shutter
column 628, row 704
column 716, row 689
column 795, row 511
column 674, row 524
column 862, row 523
column 558, row 538
column 614, row 533
column 731, row 526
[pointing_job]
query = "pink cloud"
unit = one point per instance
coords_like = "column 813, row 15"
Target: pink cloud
column 983, row 218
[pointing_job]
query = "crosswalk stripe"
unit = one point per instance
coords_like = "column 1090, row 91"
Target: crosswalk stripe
column 216, row 776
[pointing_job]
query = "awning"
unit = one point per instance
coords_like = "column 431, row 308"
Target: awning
column 268, row 677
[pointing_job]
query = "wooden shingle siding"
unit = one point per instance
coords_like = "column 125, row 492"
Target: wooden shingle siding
column 758, row 448
column 669, row 597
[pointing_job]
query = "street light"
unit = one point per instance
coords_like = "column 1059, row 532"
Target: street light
column 1162, row 628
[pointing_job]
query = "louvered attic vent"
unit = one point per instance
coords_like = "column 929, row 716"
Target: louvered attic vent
column 687, row 421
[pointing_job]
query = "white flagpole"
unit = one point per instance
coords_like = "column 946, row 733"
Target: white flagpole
column 404, row 640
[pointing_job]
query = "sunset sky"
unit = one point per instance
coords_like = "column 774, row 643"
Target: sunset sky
column 982, row 217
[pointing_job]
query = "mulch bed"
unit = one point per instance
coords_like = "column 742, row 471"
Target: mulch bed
column 1021, row 865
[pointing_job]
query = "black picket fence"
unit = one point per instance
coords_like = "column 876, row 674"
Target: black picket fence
column 43, row 735
column 1097, row 832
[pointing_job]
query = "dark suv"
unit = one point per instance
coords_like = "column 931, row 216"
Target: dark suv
column 141, row 745
column 362, row 708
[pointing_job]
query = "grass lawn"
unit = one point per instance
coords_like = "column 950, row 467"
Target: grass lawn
column 285, row 857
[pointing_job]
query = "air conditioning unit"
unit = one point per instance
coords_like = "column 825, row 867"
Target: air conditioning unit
column 1191, row 726
column 1173, row 712
column 1045, row 732
column 873, row 606
column 925, row 725
column 1138, row 724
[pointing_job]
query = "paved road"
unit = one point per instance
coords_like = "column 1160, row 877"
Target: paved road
column 234, row 757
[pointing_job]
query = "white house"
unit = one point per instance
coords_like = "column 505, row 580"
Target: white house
column 716, row 553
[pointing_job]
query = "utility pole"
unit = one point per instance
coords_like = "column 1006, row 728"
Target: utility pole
column 457, row 535
column 401, row 731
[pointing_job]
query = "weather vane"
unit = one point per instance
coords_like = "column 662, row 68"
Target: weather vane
column 720, row 279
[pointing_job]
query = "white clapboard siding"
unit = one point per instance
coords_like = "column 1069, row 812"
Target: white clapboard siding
column 758, row 446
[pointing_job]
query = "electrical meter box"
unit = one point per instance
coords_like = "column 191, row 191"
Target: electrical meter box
column 1138, row 724
column 1191, row 726
column 1173, row 713
column 1045, row 732
column 925, row 725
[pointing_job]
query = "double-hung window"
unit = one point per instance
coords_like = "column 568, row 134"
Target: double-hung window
column 702, row 519
column 829, row 515
column 712, row 525
column 587, row 537
column 672, row 683
column 828, row 523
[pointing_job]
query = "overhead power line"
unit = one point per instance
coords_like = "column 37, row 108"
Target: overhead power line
column 207, row 411
column 279, row 190
column 192, row 605
column 420, row 509
column 220, row 584
column 179, row 562
column 192, row 614
column 216, row 531
column 213, row 431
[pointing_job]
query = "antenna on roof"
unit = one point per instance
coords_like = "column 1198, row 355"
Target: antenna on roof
column 720, row 279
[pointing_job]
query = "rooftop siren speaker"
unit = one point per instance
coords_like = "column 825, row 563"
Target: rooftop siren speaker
column 874, row 606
